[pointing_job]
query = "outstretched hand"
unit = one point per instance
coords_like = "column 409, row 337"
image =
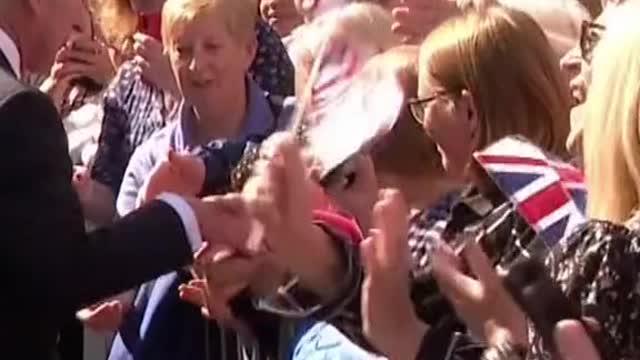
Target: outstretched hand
column 181, row 174
column 226, row 221
column 389, row 319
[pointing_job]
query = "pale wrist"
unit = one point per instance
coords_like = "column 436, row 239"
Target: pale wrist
column 51, row 87
column 54, row 89
column 47, row 85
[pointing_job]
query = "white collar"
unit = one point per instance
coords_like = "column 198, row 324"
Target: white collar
column 10, row 51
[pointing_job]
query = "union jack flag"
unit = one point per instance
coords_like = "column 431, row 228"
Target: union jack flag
column 549, row 194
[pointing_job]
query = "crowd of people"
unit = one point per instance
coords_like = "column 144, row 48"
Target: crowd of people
column 321, row 179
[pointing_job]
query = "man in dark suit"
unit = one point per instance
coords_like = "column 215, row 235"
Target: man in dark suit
column 49, row 266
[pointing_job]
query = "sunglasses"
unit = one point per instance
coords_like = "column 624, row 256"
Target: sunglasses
column 590, row 35
column 417, row 106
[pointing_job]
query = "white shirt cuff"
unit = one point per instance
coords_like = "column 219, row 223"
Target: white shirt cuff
column 188, row 217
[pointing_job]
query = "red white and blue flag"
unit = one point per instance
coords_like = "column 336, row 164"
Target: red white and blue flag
column 549, row 194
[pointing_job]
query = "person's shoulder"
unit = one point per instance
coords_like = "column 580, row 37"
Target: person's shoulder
column 598, row 232
column 600, row 240
column 265, row 32
column 160, row 138
column 157, row 145
column 14, row 93
column 9, row 85
column 282, row 108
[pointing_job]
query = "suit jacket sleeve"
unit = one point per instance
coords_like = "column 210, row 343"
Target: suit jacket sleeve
column 51, row 265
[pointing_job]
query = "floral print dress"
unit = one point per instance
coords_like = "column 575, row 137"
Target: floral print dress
column 599, row 270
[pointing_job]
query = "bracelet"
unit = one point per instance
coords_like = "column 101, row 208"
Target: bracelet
column 505, row 351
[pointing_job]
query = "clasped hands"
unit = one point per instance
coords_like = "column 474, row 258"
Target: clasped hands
column 251, row 238
column 239, row 230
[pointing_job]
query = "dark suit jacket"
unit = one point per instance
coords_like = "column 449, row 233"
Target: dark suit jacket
column 49, row 266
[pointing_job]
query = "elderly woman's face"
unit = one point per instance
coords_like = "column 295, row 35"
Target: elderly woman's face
column 210, row 63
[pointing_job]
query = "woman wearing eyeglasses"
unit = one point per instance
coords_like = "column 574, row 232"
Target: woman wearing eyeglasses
column 482, row 76
column 597, row 268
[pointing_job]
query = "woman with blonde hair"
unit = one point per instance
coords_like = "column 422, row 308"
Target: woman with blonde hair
column 611, row 123
column 142, row 97
column 119, row 20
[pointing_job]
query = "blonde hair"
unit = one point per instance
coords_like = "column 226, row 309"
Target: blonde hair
column 502, row 57
column 360, row 24
column 117, row 20
column 239, row 16
column 611, row 138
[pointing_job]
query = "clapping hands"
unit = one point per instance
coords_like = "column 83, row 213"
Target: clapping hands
column 389, row 320
column 279, row 196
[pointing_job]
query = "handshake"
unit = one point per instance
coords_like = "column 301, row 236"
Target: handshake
column 247, row 236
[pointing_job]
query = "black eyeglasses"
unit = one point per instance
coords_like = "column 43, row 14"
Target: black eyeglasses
column 417, row 106
column 590, row 35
